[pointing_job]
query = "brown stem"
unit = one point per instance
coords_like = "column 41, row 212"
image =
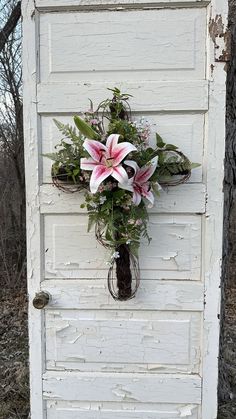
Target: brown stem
column 123, row 273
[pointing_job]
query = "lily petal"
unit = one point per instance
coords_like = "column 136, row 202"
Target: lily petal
column 95, row 149
column 149, row 196
column 128, row 186
column 98, row 175
column 120, row 174
column 112, row 141
column 132, row 164
column 120, row 151
column 146, row 171
column 87, row 164
column 136, row 198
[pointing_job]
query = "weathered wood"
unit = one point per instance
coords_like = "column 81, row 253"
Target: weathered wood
column 174, row 252
column 65, row 5
column 181, row 51
column 146, row 95
column 215, row 132
column 162, row 340
column 73, row 410
column 152, row 295
column 120, row 387
column 104, row 359
column 187, row 198
column 34, row 265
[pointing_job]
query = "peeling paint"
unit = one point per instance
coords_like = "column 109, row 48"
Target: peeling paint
column 187, row 411
column 121, row 392
column 221, row 37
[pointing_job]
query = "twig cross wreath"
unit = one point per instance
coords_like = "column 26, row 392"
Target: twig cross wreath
column 109, row 156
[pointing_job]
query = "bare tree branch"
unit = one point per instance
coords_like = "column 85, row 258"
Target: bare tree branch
column 10, row 25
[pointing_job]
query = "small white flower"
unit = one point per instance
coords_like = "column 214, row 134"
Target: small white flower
column 93, row 205
column 128, row 242
column 115, row 255
column 102, row 199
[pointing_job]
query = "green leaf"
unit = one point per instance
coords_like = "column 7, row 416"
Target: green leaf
column 76, row 172
column 52, row 156
column 171, row 147
column 194, row 165
column 159, row 141
column 85, row 128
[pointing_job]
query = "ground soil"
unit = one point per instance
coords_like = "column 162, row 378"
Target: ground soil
column 14, row 388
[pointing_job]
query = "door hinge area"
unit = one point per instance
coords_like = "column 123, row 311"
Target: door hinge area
column 221, row 36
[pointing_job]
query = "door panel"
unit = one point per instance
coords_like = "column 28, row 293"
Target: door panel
column 73, row 410
column 118, row 387
column 153, row 295
column 123, row 341
column 100, row 45
column 174, row 251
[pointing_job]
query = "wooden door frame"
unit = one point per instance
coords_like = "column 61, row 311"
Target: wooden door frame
column 33, row 217
column 213, row 224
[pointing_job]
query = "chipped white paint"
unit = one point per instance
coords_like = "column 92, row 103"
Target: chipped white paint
column 174, row 252
column 215, row 132
column 57, row 5
column 153, row 295
column 146, row 95
column 152, row 357
column 187, row 198
column 108, row 410
column 32, row 205
column 119, row 387
column 125, row 338
column 102, row 51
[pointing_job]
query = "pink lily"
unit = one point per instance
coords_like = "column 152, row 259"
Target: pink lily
column 139, row 184
column 106, row 160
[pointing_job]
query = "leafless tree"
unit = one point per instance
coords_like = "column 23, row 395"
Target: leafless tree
column 12, row 188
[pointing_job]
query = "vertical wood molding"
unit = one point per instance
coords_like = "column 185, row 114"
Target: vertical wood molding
column 227, row 360
column 213, row 229
column 30, row 55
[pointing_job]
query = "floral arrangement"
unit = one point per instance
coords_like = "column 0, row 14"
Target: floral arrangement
column 110, row 156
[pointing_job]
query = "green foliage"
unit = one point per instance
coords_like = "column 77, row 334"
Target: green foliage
column 67, row 159
column 118, row 220
column 125, row 129
column 172, row 164
column 111, row 210
column 85, row 128
column 118, row 95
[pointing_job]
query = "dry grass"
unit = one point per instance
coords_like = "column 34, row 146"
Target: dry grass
column 14, row 388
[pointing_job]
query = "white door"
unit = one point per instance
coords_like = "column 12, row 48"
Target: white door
column 153, row 357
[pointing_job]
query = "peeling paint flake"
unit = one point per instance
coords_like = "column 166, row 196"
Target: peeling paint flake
column 187, row 411
column 221, row 37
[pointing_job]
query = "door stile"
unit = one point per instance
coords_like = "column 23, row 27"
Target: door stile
column 33, row 218
column 213, row 225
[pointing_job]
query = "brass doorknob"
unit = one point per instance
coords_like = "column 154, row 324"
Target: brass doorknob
column 41, row 299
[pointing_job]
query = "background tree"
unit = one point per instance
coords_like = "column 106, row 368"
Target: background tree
column 14, row 388
column 12, row 186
